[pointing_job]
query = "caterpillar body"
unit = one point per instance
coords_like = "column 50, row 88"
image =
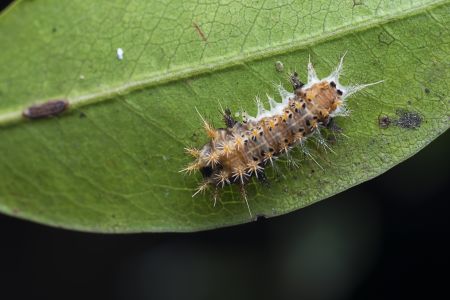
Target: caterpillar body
column 244, row 149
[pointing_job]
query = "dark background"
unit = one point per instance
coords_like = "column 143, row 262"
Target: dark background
column 385, row 239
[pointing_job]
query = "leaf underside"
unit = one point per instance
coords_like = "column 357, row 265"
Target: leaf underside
column 110, row 163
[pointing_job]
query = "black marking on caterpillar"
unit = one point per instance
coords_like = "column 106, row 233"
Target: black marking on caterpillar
column 45, row 110
column 244, row 149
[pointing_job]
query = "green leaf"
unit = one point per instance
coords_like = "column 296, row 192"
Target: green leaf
column 110, row 163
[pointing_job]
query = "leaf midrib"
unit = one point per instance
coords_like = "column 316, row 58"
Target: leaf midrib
column 224, row 62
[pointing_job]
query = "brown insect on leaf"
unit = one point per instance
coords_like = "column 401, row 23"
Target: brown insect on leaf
column 46, row 110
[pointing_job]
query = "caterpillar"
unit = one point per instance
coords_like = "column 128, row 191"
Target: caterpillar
column 243, row 150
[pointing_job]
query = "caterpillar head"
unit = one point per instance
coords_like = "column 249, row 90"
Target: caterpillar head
column 328, row 93
column 325, row 98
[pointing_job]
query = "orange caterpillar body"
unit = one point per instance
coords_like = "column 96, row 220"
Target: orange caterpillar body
column 243, row 149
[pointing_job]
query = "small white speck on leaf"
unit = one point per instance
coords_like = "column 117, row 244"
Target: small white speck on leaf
column 81, row 76
column 120, row 53
column 279, row 66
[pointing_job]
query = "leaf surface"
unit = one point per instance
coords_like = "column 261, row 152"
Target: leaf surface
column 110, row 164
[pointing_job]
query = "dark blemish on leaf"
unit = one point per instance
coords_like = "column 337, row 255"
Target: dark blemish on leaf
column 357, row 3
column 279, row 66
column 199, row 31
column 384, row 121
column 385, row 38
column 427, row 91
column 408, row 119
column 82, row 115
column 195, row 137
column 409, row 102
column 332, row 139
column 54, row 30
column 300, row 193
column 45, row 110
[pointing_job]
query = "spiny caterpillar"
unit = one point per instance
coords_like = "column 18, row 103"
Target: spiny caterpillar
column 242, row 150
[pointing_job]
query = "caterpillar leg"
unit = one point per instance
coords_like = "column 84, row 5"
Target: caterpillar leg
column 295, row 81
column 321, row 142
column 228, row 118
column 262, row 178
column 331, row 125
